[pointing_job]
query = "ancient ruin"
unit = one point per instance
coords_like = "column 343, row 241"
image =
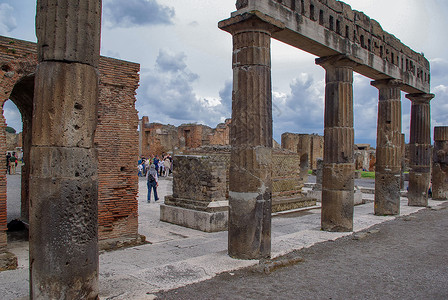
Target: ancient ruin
column 201, row 187
column 440, row 164
column 156, row 138
column 345, row 41
column 115, row 139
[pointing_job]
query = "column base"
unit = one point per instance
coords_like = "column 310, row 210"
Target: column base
column 387, row 194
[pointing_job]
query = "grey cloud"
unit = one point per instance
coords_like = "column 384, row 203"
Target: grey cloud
column 132, row 13
column 7, row 20
column 167, row 94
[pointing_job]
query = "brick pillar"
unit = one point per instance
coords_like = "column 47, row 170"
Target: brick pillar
column 250, row 186
column 63, row 179
column 420, row 149
column 339, row 167
column 440, row 164
column 388, row 149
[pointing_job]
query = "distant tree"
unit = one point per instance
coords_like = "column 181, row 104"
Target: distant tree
column 10, row 129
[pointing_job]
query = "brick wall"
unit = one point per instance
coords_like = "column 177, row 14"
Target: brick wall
column 116, row 136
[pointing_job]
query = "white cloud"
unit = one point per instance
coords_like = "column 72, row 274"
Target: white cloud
column 7, row 20
column 12, row 116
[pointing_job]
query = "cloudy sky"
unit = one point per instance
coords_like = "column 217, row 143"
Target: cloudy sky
column 186, row 70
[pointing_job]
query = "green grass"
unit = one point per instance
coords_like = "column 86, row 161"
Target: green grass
column 365, row 174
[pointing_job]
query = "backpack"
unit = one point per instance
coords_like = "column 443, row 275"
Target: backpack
column 151, row 178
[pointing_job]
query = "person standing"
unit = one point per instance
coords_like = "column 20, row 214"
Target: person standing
column 167, row 165
column 12, row 164
column 152, row 181
column 8, row 156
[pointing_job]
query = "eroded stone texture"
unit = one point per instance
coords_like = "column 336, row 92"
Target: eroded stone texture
column 69, row 30
column 64, row 182
column 388, row 151
column 339, row 168
column 251, row 140
column 419, row 149
column 440, row 164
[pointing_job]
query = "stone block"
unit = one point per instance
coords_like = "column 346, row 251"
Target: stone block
column 66, row 97
column 338, row 176
column 337, row 210
column 8, row 261
column 73, row 36
column 387, row 193
column 199, row 220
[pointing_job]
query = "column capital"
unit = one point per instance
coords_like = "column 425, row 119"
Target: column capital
column 387, row 83
column 340, row 60
column 251, row 21
column 420, row 97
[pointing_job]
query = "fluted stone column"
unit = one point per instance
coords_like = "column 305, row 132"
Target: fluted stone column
column 440, row 164
column 420, row 149
column 388, row 150
column 63, row 179
column 339, row 167
column 250, row 186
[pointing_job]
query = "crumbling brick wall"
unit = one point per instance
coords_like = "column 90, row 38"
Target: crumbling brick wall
column 116, row 136
column 157, row 138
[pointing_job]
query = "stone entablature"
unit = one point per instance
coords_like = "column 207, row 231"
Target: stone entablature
column 330, row 27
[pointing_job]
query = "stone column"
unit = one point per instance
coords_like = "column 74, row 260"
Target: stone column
column 440, row 164
column 420, row 149
column 388, row 150
column 250, row 186
column 63, row 179
column 339, row 167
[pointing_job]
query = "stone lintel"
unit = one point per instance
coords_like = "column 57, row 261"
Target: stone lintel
column 339, row 60
column 251, row 21
column 441, row 133
column 420, row 97
column 387, row 83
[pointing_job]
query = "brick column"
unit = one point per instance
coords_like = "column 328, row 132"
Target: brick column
column 63, row 179
column 440, row 164
column 388, row 150
column 420, row 149
column 339, row 167
column 250, row 186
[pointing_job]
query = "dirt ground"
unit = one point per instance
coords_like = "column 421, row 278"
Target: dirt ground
column 402, row 259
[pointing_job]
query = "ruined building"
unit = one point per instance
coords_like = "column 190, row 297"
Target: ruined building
column 156, row 138
column 115, row 138
column 345, row 41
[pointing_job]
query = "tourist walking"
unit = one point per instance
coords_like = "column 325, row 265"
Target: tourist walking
column 152, row 181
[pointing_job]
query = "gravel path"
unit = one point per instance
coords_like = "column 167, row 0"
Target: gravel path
column 402, row 259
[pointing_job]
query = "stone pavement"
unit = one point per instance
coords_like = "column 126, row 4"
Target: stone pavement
column 177, row 256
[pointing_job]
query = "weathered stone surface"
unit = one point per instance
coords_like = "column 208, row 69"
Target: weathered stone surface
column 199, row 220
column 419, row 149
column 388, row 152
column 8, row 261
column 118, row 217
column 64, row 183
column 64, row 191
column 327, row 28
column 69, row 31
column 440, row 164
column 67, row 95
column 250, row 186
column 311, row 145
column 339, row 168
